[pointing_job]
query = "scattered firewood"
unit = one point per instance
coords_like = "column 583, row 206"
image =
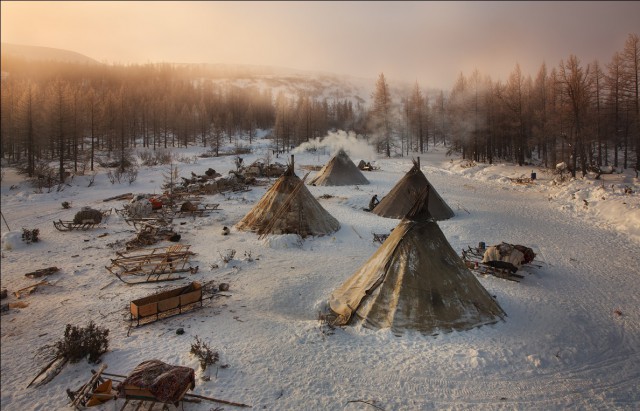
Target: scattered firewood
column 30, row 289
column 59, row 363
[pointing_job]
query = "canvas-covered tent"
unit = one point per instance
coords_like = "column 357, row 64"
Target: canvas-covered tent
column 414, row 281
column 398, row 202
column 288, row 207
column 339, row 171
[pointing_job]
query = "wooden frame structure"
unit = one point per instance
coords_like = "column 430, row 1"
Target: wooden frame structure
column 202, row 210
column 161, row 264
column 92, row 392
column 160, row 220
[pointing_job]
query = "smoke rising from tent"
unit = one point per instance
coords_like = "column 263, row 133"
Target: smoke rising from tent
column 356, row 148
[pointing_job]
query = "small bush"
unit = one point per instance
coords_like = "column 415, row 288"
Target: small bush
column 155, row 157
column 30, row 236
column 79, row 343
column 66, row 205
column 228, row 255
column 130, row 174
column 204, row 353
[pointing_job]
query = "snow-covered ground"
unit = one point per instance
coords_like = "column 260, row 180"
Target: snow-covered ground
column 571, row 338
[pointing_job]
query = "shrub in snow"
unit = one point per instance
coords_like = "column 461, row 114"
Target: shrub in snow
column 30, row 236
column 79, row 343
column 228, row 255
column 204, row 353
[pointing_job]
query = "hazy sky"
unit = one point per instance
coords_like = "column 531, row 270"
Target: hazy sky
column 431, row 42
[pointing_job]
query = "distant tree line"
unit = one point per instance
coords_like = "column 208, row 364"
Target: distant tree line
column 68, row 112
column 584, row 115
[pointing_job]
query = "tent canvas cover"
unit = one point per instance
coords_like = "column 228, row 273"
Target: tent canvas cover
column 339, row 171
column 414, row 281
column 288, row 207
column 403, row 196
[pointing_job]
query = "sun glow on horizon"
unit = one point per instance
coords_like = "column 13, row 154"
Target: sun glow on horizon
column 429, row 41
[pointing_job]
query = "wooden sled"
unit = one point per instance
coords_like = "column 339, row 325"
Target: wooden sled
column 137, row 397
column 70, row 225
column 166, row 304
column 202, row 210
column 473, row 260
column 155, row 266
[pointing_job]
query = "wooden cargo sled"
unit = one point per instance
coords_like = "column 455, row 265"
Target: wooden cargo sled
column 166, row 304
column 79, row 224
column 157, row 382
column 161, row 264
column 152, row 382
column 502, row 260
column 192, row 209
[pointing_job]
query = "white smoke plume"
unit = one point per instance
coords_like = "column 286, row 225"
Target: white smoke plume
column 356, row 148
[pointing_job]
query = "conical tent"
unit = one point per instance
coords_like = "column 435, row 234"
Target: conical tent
column 339, row 171
column 414, row 281
column 289, row 208
column 404, row 194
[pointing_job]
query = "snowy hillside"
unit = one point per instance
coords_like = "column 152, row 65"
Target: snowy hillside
column 571, row 338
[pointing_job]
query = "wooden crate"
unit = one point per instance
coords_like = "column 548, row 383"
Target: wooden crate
column 166, row 303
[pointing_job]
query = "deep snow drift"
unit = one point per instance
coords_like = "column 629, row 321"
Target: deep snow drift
column 571, row 338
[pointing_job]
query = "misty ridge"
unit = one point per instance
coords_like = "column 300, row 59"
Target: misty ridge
column 64, row 108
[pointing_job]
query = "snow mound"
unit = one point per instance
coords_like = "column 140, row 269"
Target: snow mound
column 12, row 240
column 284, row 241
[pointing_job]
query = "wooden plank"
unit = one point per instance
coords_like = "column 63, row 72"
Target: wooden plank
column 88, row 386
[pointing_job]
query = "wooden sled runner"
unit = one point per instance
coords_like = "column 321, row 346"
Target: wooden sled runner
column 70, row 225
column 161, row 264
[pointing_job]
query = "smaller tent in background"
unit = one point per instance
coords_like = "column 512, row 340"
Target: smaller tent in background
column 288, row 207
column 404, row 194
column 414, row 281
column 339, row 171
